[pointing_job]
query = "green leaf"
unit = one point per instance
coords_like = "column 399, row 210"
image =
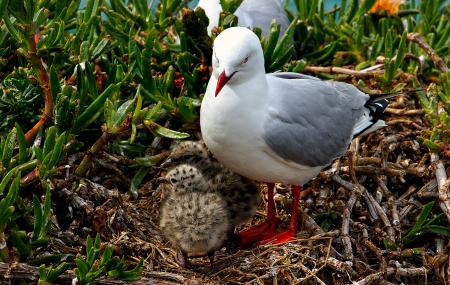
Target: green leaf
column 351, row 12
column 89, row 245
column 37, row 217
column 365, row 6
column 55, row 87
column 64, row 110
column 230, row 6
column 3, row 7
column 122, row 112
column 22, row 144
column 401, row 51
column 136, row 114
column 40, row 16
column 11, row 197
column 56, row 154
column 108, row 112
column 59, row 35
column 91, row 9
column 141, row 7
column 21, row 242
column 136, row 181
column 38, row 153
column 424, row 215
column 53, row 274
column 43, row 273
column 285, row 42
column 279, row 62
column 107, row 254
column 159, row 130
column 147, row 53
column 84, row 51
column 13, row 30
column 274, row 33
column 445, row 231
column 49, row 140
column 418, row 228
column 388, row 48
column 130, row 275
column 99, row 48
column 93, row 111
column 82, row 269
column 8, row 148
column 6, row 179
column 150, row 114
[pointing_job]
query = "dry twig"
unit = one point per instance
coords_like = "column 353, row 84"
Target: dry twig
column 341, row 70
column 438, row 62
column 443, row 185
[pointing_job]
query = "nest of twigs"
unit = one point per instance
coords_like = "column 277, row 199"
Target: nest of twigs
column 365, row 203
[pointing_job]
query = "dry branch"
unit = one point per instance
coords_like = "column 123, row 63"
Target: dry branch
column 341, row 70
column 443, row 185
column 404, row 112
column 375, row 277
column 419, row 40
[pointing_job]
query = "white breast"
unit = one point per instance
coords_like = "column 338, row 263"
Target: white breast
column 233, row 132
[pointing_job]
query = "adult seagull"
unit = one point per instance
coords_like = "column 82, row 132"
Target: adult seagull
column 277, row 127
column 251, row 13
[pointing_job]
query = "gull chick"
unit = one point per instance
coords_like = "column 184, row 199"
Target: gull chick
column 188, row 152
column 240, row 193
column 193, row 220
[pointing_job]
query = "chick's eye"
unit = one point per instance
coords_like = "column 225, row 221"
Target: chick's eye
column 173, row 180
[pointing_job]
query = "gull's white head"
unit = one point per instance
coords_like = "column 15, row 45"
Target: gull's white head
column 237, row 57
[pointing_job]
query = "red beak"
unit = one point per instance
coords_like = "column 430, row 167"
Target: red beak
column 223, row 79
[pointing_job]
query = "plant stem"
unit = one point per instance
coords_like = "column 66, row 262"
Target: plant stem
column 98, row 146
column 44, row 81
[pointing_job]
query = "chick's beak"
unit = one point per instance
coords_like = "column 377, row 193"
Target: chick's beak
column 223, row 79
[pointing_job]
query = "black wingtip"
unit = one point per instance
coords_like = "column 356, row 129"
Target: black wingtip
column 376, row 108
column 376, row 112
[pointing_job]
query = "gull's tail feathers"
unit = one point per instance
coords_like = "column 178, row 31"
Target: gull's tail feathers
column 371, row 120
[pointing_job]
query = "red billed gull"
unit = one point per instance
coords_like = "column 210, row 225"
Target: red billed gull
column 251, row 13
column 277, row 127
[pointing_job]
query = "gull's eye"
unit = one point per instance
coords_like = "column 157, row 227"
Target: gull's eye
column 216, row 60
column 245, row 60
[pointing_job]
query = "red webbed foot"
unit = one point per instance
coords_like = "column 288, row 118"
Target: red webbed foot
column 278, row 238
column 256, row 233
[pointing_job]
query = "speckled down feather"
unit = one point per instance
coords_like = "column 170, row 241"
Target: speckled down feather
column 241, row 194
column 195, row 222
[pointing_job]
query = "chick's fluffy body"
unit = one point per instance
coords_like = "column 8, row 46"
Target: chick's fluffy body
column 241, row 195
column 193, row 219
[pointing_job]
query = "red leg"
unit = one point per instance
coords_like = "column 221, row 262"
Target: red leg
column 268, row 227
column 292, row 231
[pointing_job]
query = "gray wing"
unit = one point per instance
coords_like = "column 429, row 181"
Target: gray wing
column 260, row 13
column 312, row 123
